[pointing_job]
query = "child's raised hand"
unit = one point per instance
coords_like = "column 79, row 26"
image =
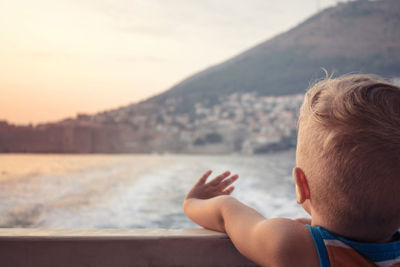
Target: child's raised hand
column 220, row 185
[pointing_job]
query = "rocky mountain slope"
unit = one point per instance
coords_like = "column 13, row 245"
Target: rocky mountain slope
column 359, row 36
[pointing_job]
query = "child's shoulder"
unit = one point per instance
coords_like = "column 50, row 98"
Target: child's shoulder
column 288, row 243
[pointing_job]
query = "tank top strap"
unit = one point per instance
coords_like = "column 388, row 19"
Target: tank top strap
column 318, row 238
column 334, row 247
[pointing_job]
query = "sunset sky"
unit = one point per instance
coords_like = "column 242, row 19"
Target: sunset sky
column 60, row 58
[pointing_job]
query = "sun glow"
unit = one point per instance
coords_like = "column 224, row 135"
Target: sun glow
column 59, row 58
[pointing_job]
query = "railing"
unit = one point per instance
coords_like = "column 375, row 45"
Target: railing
column 117, row 247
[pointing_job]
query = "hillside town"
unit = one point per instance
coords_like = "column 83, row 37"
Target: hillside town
column 243, row 123
column 238, row 123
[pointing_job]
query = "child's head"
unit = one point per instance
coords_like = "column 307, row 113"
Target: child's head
column 349, row 150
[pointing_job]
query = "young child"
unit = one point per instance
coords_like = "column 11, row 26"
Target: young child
column 347, row 178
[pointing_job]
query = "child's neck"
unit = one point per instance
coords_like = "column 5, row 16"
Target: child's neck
column 359, row 233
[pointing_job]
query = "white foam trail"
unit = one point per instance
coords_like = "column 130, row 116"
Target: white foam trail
column 141, row 191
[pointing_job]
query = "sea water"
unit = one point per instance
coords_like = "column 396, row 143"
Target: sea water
column 133, row 191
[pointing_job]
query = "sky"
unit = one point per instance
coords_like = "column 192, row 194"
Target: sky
column 60, row 58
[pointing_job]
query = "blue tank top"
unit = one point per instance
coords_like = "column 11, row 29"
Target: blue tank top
column 334, row 250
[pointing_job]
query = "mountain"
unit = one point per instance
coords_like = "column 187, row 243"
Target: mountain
column 360, row 36
column 247, row 104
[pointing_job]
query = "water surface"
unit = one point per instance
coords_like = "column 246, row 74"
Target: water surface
column 132, row 191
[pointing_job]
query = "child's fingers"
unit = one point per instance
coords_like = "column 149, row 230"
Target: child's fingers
column 219, row 178
column 229, row 190
column 204, row 177
column 228, row 182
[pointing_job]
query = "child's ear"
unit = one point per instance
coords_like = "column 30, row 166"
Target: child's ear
column 302, row 189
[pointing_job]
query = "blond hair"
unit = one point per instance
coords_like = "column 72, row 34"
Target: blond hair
column 349, row 148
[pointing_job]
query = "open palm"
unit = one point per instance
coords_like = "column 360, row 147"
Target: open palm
column 220, row 185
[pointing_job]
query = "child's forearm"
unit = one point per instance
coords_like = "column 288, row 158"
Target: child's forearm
column 223, row 213
column 206, row 212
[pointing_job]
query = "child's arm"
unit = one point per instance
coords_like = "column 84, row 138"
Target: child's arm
column 208, row 204
column 261, row 240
